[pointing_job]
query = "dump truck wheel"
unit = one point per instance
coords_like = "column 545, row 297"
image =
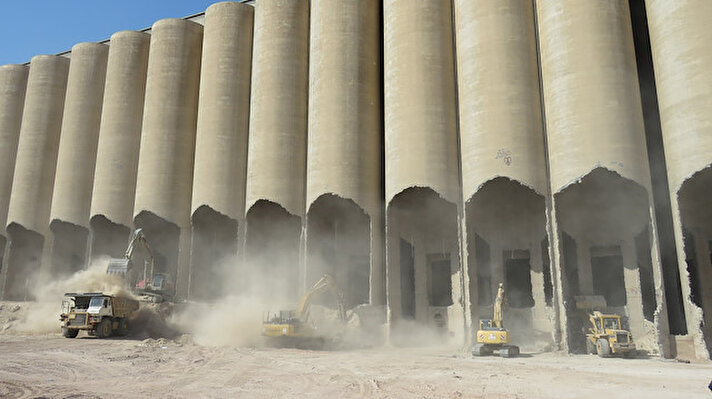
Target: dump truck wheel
column 69, row 332
column 103, row 330
column 590, row 347
column 603, row 348
column 123, row 328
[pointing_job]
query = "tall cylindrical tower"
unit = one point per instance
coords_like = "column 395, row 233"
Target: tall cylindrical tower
column 33, row 180
column 221, row 146
column 71, row 200
column 165, row 165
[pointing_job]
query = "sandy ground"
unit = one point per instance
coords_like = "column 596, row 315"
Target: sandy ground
column 49, row 365
column 52, row 366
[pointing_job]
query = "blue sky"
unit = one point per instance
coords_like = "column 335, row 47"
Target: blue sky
column 32, row 27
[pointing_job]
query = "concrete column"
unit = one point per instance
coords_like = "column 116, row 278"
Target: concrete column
column 120, row 130
column 276, row 156
column 80, row 132
column 540, row 312
column 223, row 113
column 33, row 179
column 681, row 44
column 634, row 298
column 13, row 83
column 585, row 271
column 422, row 306
column 378, row 262
column 165, row 166
column 704, row 268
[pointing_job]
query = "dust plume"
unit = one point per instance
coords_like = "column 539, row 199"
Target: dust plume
column 43, row 316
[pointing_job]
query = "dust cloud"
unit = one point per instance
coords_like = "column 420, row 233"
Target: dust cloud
column 43, row 316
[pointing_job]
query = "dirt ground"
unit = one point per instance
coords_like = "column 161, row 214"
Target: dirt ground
column 49, row 365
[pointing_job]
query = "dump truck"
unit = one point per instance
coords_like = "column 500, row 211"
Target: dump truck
column 294, row 328
column 151, row 287
column 491, row 336
column 99, row 314
column 606, row 337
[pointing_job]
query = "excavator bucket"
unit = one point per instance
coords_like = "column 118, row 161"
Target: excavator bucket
column 118, row 266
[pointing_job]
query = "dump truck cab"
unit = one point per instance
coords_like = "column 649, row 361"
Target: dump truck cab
column 607, row 337
column 99, row 314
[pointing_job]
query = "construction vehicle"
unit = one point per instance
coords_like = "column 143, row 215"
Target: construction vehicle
column 151, row 287
column 99, row 314
column 295, row 327
column 491, row 335
column 606, row 337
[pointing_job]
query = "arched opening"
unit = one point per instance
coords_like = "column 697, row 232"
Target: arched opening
column 696, row 213
column 604, row 222
column 338, row 243
column 423, row 265
column 23, row 255
column 69, row 248
column 271, row 268
column 109, row 239
column 212, row 255
column 163, row 237
column 506, row 233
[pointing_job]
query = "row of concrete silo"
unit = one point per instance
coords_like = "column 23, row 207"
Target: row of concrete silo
column 420, row 152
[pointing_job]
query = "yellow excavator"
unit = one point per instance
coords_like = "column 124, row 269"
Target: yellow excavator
column 491, row 335
column 152, row 287
column 294, row 328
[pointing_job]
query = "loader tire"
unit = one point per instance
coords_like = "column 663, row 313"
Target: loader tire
column 69, row 332
column 590, row 347
column 603, row 348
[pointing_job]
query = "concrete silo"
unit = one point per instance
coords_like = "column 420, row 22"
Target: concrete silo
column 503, row 161
column 165, row 164
column 344, row 227
column 221, row 147
column 33, row 180
column 421, row 162
column 602, row 208
column 276, row 159
column 681, row 44
column 118, row 148
column 13, row 83
column 74, row 178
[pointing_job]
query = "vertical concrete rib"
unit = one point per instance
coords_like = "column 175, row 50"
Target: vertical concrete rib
column 71, row 200
column 33, row 180
column 422, row 174
column 165, row 166
column 221, row 141
column 681, row 44
column 598, row 161
column 278, row 105
column 13, row 83
column 118, row 147
column 344, row 139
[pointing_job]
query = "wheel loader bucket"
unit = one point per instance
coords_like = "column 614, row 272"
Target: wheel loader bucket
column 118, row 266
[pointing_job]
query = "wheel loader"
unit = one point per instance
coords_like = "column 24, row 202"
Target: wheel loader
column 606, row 337
column 491, row 335
column 295, row 328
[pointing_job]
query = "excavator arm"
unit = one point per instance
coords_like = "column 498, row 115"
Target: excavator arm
column 121, row 266
column 325, row 283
